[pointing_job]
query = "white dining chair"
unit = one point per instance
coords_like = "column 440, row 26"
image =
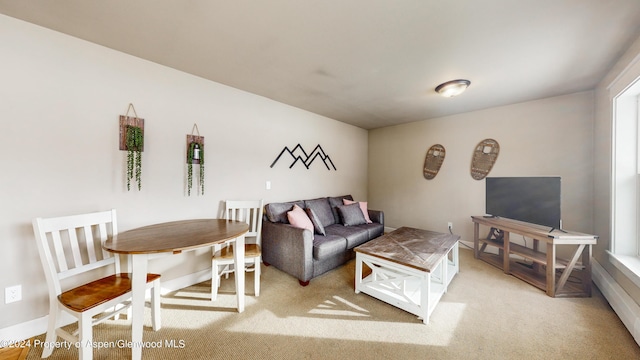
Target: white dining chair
column 71, row 251
column 222, row 261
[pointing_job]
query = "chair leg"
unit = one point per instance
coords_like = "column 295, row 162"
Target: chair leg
column 54, row 315
column 156, row 322
column 256, row 276
column 227, row 270
column 85, row 337
column 215, row 279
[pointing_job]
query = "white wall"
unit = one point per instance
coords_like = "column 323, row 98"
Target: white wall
column 60, row 98
column 548, row 137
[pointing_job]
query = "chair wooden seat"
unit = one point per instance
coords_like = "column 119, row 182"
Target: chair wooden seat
column 250, row 250
column 98, row 292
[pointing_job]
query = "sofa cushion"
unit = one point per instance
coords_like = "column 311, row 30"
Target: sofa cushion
column 363, row 207
column 374, row 229
column 298, row 218
column 328, row 246
column 277, row 212
column 351, row 214
column 355, row 235
column 336, row 201
column 322, row 209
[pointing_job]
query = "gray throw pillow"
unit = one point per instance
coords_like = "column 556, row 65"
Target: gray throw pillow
column 351, row 215
column 322, row 209
column 334, row 202
column 317, row 225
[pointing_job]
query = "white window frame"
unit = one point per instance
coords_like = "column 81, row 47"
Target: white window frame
column 625, row 181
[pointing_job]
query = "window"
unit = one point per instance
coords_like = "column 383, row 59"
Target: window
column 625, row 215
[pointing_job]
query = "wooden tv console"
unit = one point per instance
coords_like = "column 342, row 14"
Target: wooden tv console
column 545, row 267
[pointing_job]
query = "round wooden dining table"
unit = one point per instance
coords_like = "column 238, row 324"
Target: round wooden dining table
column 173, row 237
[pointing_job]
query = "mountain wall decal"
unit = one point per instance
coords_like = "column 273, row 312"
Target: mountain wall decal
column 298, row 154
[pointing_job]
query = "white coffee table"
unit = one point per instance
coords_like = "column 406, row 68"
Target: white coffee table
column 410, row 268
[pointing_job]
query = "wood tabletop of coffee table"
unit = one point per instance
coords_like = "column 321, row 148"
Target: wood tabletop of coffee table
column 416, row 248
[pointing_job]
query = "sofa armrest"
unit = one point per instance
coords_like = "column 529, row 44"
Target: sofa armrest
column 288, row 248
column 376, row 216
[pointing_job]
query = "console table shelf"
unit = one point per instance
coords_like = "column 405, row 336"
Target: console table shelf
column 525, row 252
column 547, row 271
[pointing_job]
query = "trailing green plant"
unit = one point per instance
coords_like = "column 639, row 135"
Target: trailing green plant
column 190, row 154
column 134, row 141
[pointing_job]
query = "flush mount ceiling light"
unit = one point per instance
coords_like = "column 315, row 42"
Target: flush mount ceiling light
column 453, row 87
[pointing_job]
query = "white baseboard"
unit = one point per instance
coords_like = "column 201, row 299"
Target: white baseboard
column 35, row 327
column 184, row 281
column 24, row 330
column 624, row 306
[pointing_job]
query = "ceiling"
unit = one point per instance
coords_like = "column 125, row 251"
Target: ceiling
column 369, row 63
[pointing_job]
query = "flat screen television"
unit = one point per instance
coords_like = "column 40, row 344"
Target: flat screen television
column 534, row 200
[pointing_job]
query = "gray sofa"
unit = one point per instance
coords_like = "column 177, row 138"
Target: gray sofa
column 306, row 254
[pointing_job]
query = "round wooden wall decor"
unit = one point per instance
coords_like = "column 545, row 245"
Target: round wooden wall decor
column 433, row 161
column 484, row 157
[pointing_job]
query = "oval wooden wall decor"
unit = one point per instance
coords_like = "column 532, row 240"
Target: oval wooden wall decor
column 433, row 161
column 484, row 157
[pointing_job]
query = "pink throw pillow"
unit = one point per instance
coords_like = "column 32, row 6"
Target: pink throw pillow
column 363, row 207
column 298, row 218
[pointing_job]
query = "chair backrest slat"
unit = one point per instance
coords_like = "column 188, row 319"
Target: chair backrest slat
column 255, row 220
column 57, row 247
column 69, row 245
column 75, row 248
column 91, row 250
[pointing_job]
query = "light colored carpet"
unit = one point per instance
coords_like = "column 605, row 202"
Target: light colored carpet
column 485, row 315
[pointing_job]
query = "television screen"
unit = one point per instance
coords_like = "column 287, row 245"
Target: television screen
column 534, row 200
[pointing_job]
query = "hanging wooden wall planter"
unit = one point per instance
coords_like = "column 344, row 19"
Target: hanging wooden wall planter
column 132, row 141
column 433, row 161
column 484, row 157
column 195, row 155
